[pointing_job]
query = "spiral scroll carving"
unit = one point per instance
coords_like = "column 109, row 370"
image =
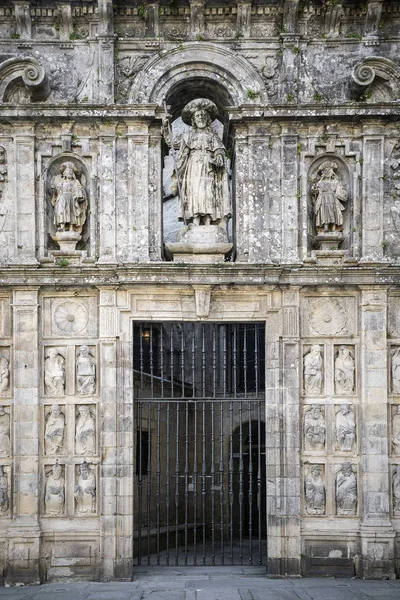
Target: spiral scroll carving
column 363, row 75
column 35, row 80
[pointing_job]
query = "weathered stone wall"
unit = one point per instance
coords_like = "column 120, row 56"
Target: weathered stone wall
column 296, row 85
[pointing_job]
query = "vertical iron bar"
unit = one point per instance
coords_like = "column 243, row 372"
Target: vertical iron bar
column 212, row 485
column 193, row 353
column 167, row 486
column 151, row 357
column 141, row 364
column 182, row 361
column 140, row 484
column 194, row 480
column 241, row 471
column 203, row 479
column 245, row 360
column 250, row 495
column 177, row 486
column 231, row 460
column 171, row 358
column 186, row 478
column 259, row 490
column 158, row 479
column 221, row 479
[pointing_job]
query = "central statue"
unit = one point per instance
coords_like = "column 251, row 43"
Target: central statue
column 201, row 168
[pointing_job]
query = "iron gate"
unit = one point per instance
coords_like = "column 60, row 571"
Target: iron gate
column 199, row 486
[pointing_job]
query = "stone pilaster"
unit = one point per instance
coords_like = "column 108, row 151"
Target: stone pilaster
column 107, row 221
column 289, row 199
column 242, row 207
column 152, row 24
column 372, row 194
column 106, row 52
column 196, row 18
column 24, row 532
column 22, row 9
column 244, row 17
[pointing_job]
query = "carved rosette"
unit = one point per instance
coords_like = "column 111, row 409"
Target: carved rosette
column 328, row 317
column 70, row 318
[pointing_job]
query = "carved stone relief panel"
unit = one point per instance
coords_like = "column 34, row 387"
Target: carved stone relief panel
column 85, row 489
column 55, row 430
column 4, row 371
column 313, row 370
column 3, row 171
column 396, row 429
column 5, row 432
column 5, row 491
column 54, row 498
column 85, row 362
column 69, row 317
column 395, row 370
column 85, row 430
column 396, row 490
column 54, row 371
column 314, row 427
column 329, row 316
column 344, row 370
column 346, row 489
column 345, row 428
column 315, row 490
column 394, row 317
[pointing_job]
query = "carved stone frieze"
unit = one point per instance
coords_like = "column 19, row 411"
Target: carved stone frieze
column 85, row 489
column 54, row 499
column 54, row 431
column 54, row 373
column 314, row 428
column 315, row 490
column 345, row 423
column 346, row 490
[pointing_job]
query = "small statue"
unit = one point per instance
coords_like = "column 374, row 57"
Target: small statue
column 69, row 200
column 54, row 373
column 396, row 371
column 4, row 500
column 4, row 432
column 201, row 166
column 314, row 428
column 313, row 371
column 85, row 490
column 396, row 430
column 314, row 489
column 85, row 432
column 396, row 489
column 344, row 371
column 85, row 372
column 346, row 490
column 54, row 498
column 4, row 375
column 328, row 193
column 345, row 428
column 54, row 432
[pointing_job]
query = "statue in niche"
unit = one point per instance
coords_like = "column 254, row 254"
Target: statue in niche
column 85, row 490
column 69, row 200
column 4, row 432
column 313, row 371
column 85, row 372
column 345, row 428
column 54, row 431
column 201, row 168
column 396, row 430
column 314, row 428
column 54, row 373
column 396, row 489
column 4, row 500
column 4, row 375
column 85, row 436
column 328, row 194
column 396, row 371
column 346, row 490
column 314, row 489
column 344, row 371
column 54, row 498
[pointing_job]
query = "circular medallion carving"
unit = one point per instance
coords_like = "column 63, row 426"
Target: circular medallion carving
column 70, row 317
column 328, row 317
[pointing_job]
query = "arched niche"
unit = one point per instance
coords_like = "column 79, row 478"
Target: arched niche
column 375, row 79
column 51, row 177
column 343, row 174
column 23, row 80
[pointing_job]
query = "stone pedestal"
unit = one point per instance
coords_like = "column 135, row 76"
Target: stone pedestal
column 328, row 252
column 200, row 243
column 67, row 240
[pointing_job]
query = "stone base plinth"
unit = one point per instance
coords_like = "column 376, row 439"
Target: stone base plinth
column 329, row 240
column 67, row 240
column 200, row 243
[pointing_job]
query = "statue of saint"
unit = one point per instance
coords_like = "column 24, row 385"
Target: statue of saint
column 69, row 200
column 328, row 194
column 313, row 371
column 54, row 373
column 345, row 428
column 4, row 500
column 54, row 432
column 396, row 489
column 396, row 371
column 344, row 371
column 4, row 432
column 85, row 372
column 314, row 489
column 346, row 490
column 314, row 428
column 396, row 431
column 85, row 490
column 201, row 166
column 54, row 498
column 85, row 432
column 4, row 375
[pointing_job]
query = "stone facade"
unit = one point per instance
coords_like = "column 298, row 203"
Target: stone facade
column 308, row 105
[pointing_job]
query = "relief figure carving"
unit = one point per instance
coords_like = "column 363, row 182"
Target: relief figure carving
column 4, row 499
column 314, row 428
column 4, row 375
column 54, row 373
column 346, row 490
column 55, row 491
column 85, row 490
column 54, row 431
column 314, row 489
column 396, row 431
column 85, row 436
column 396, row 489
column 344, row 371
column 345, row 428
column 69, row 200
column 3, row 170
column 313, row 371
column 4, row 432
column 85, row 372
column 396, row 371
column 328, row 194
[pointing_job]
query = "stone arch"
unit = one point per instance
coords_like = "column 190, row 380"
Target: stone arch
column 27, row 73
column 376, row 79
column 204, row 62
